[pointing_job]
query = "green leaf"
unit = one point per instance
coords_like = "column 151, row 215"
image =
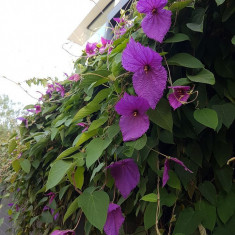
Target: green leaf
column 197, row 20
column 12, row 145
column 63, row 190
column 233, row 40
column 226, row 112
column 152, row 197
column 219, row 2
column 226, row 207
column 57, row 172
column 79, row 177
column 222, row 152
column 46, row 217
column 224, row 176
column 207, row 117
column 94, row 150
column 139, row 143
column 16, row 165
column 177, row 6
column 207, row 213
column 150, row 215
column 66, row 153
column 162, row 115
column 179, row 37
column 113, row 131
column 95, row 207
column 204, row 76
column 25, row 165
column 193, row 150
column 96, row 170
column 97, row 123
column 187, row 222
column 185, row 60
column 167, row 199
column 182, row 82
column 208, row 191
column 93, row 106
column 173, row 181
column 71, row 209
column 85, row 136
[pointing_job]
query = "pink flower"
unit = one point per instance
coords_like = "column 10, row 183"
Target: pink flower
column 75, row 77
column 59, row 88
column 38, row 108
column 157, row 21
column 91, row 49
column 165, row 177
column 114, row 220
column 179, row 96
column 105, row 44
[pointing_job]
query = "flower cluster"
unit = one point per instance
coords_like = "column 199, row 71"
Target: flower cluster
column 55, row 87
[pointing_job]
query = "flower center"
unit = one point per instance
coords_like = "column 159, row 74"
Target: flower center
column 146, row 68
column 180, row 92
column 135, row 113
column 154, row 11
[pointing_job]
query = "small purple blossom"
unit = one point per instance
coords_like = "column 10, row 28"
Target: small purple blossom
column 50, row 89
column 179, row 96
column 83, row 124
column 10, row 204
column 23, row 120
column 134, row 121
column 38, row 108
column 59, row 88
column 19, row 155
column 105, row 44
column 51, row 196
column 157, row 20
column 165, row 177
column 126, row 175
column 149, row 79
column 75, row 77
column 91, row 49
column 63, row 232
column 114, row 220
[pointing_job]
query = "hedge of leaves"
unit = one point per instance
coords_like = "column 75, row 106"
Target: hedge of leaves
column 72, row 167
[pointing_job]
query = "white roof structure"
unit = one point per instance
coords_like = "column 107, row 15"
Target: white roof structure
column 96, row 18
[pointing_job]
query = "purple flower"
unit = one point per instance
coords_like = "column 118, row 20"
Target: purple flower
column 19, row 155
column 10, row 204
column 38, row 108
column 157, row 21
column 23, row 120
column 63, row 232
column 51, row 196
column 114, row 220
column 134, row 121
column 50, row 89
column 179, row 96
column 75, row 77
column 91, row 49
column 126, row 175
column 83, row 124
column 60, row 88
column 165, row 177
column 105, row 44
column 120, row 20
column 17, row 207
column 149, row 79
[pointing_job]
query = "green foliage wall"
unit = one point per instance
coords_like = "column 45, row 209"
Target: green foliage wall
column 58, row 157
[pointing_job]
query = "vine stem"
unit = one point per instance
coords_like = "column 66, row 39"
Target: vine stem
column 169, row 72
column 172, row 215
column 166, row 156
column 18, row 84
column 80, row 216
column 158, row 202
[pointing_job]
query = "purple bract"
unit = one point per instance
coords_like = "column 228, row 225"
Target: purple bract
column 157, row 21
column 149, row 79
column 179, row 96
column 126, row 175
column 114, row 220
column 134, row 121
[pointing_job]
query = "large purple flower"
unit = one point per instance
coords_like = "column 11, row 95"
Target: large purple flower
column 126, row 175
column 149, row 79
column 134, row 122
column 91, row 49
column 157, row 21
column 165, row 177
column 114, row 220
column 63, row 232
column 179, row 96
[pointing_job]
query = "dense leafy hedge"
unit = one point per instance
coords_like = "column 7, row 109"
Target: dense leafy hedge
column 62, row 176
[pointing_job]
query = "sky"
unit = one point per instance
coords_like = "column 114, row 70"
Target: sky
column 32, row 34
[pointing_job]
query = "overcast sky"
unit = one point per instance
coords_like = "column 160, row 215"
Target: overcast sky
column 32, row 33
